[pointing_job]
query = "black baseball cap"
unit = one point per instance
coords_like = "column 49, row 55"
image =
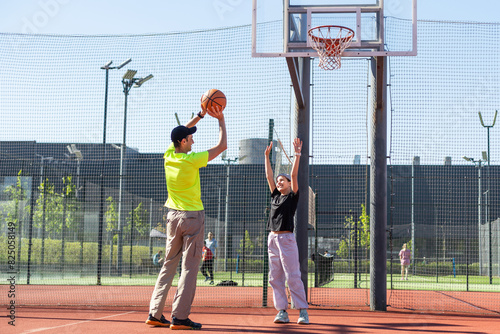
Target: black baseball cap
column 181, row 132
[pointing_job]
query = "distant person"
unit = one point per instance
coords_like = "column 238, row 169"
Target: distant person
column 158, row 259
column 185, row 222
column 212, row 244
column 283, row 252
column 404, row 257
column 207, row 264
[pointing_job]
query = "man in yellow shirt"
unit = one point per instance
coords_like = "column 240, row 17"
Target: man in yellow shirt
column 185, row 222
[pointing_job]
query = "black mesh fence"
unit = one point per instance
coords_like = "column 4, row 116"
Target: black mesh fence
column 54, row 202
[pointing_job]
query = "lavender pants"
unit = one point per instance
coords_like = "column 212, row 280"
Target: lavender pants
column 284, row 267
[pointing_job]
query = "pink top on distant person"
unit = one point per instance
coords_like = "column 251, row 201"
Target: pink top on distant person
column 404, row 256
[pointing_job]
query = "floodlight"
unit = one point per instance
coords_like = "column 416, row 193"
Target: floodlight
column 106, row 66
column 129, row 75
column 73, row 150
column 124, row 63
column 143, row 80
column 467, row 158
column 116, row 146
column 485, row 156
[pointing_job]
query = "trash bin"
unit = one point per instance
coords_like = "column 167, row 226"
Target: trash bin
column 324, row 267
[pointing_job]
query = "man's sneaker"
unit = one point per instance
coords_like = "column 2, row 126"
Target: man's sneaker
column 212, row 282
column 207, row 278
column 158, row 323
column 282, row 317
column 184, row 324
column 303, row 317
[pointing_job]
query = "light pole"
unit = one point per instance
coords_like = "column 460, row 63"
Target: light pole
column 218, row 230
column 228, row 162
column 128, row 81
column 50, row 159
column 479, row 164
column 42, row 158
column 106, row 67
column 488, row 158
column 77, row 154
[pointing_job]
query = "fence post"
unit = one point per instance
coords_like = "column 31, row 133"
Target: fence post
column 265, row 270
column 131, row 236
column 378, row 189
column 63, row 231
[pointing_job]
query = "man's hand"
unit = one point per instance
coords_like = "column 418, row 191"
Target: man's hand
column 215, row 112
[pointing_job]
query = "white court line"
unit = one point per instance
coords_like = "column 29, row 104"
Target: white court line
column 74, row 323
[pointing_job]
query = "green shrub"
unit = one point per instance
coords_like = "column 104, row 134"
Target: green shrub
column 72, row 249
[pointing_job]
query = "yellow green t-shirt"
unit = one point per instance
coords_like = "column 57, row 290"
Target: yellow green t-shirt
column 183, row 179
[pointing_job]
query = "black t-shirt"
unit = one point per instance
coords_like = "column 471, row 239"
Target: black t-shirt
column 282, row 211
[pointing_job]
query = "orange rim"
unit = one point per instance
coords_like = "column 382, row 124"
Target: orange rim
column 331, row 41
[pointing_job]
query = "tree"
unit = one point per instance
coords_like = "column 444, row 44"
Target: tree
column 363, row 227
column 47, row 213
column 248, row 247
column 72, row 216
column 261, row 240
column 409, row 246
column 15, row 194
column 160, row 228
column 141, row 220
column 111, row 217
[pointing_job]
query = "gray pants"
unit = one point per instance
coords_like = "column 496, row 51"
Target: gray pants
column 185, row 232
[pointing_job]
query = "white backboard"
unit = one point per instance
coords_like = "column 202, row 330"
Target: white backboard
column 382, row 27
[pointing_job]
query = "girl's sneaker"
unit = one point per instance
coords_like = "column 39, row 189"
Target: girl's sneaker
column 303, row 317
column 282, row 317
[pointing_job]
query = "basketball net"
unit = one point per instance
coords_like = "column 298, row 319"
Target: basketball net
column 330, row 42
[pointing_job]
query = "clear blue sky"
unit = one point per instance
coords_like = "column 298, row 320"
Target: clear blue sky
column 91, row 17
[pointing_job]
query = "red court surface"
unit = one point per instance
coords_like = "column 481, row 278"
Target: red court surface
column 482, row 303
column 250, row 320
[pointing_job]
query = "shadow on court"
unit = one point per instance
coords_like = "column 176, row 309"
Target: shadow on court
column 249, row 320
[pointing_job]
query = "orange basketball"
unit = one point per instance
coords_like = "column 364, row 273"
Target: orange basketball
column 213, row 98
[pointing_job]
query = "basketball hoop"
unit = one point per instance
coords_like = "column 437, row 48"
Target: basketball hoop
column 330, row 42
